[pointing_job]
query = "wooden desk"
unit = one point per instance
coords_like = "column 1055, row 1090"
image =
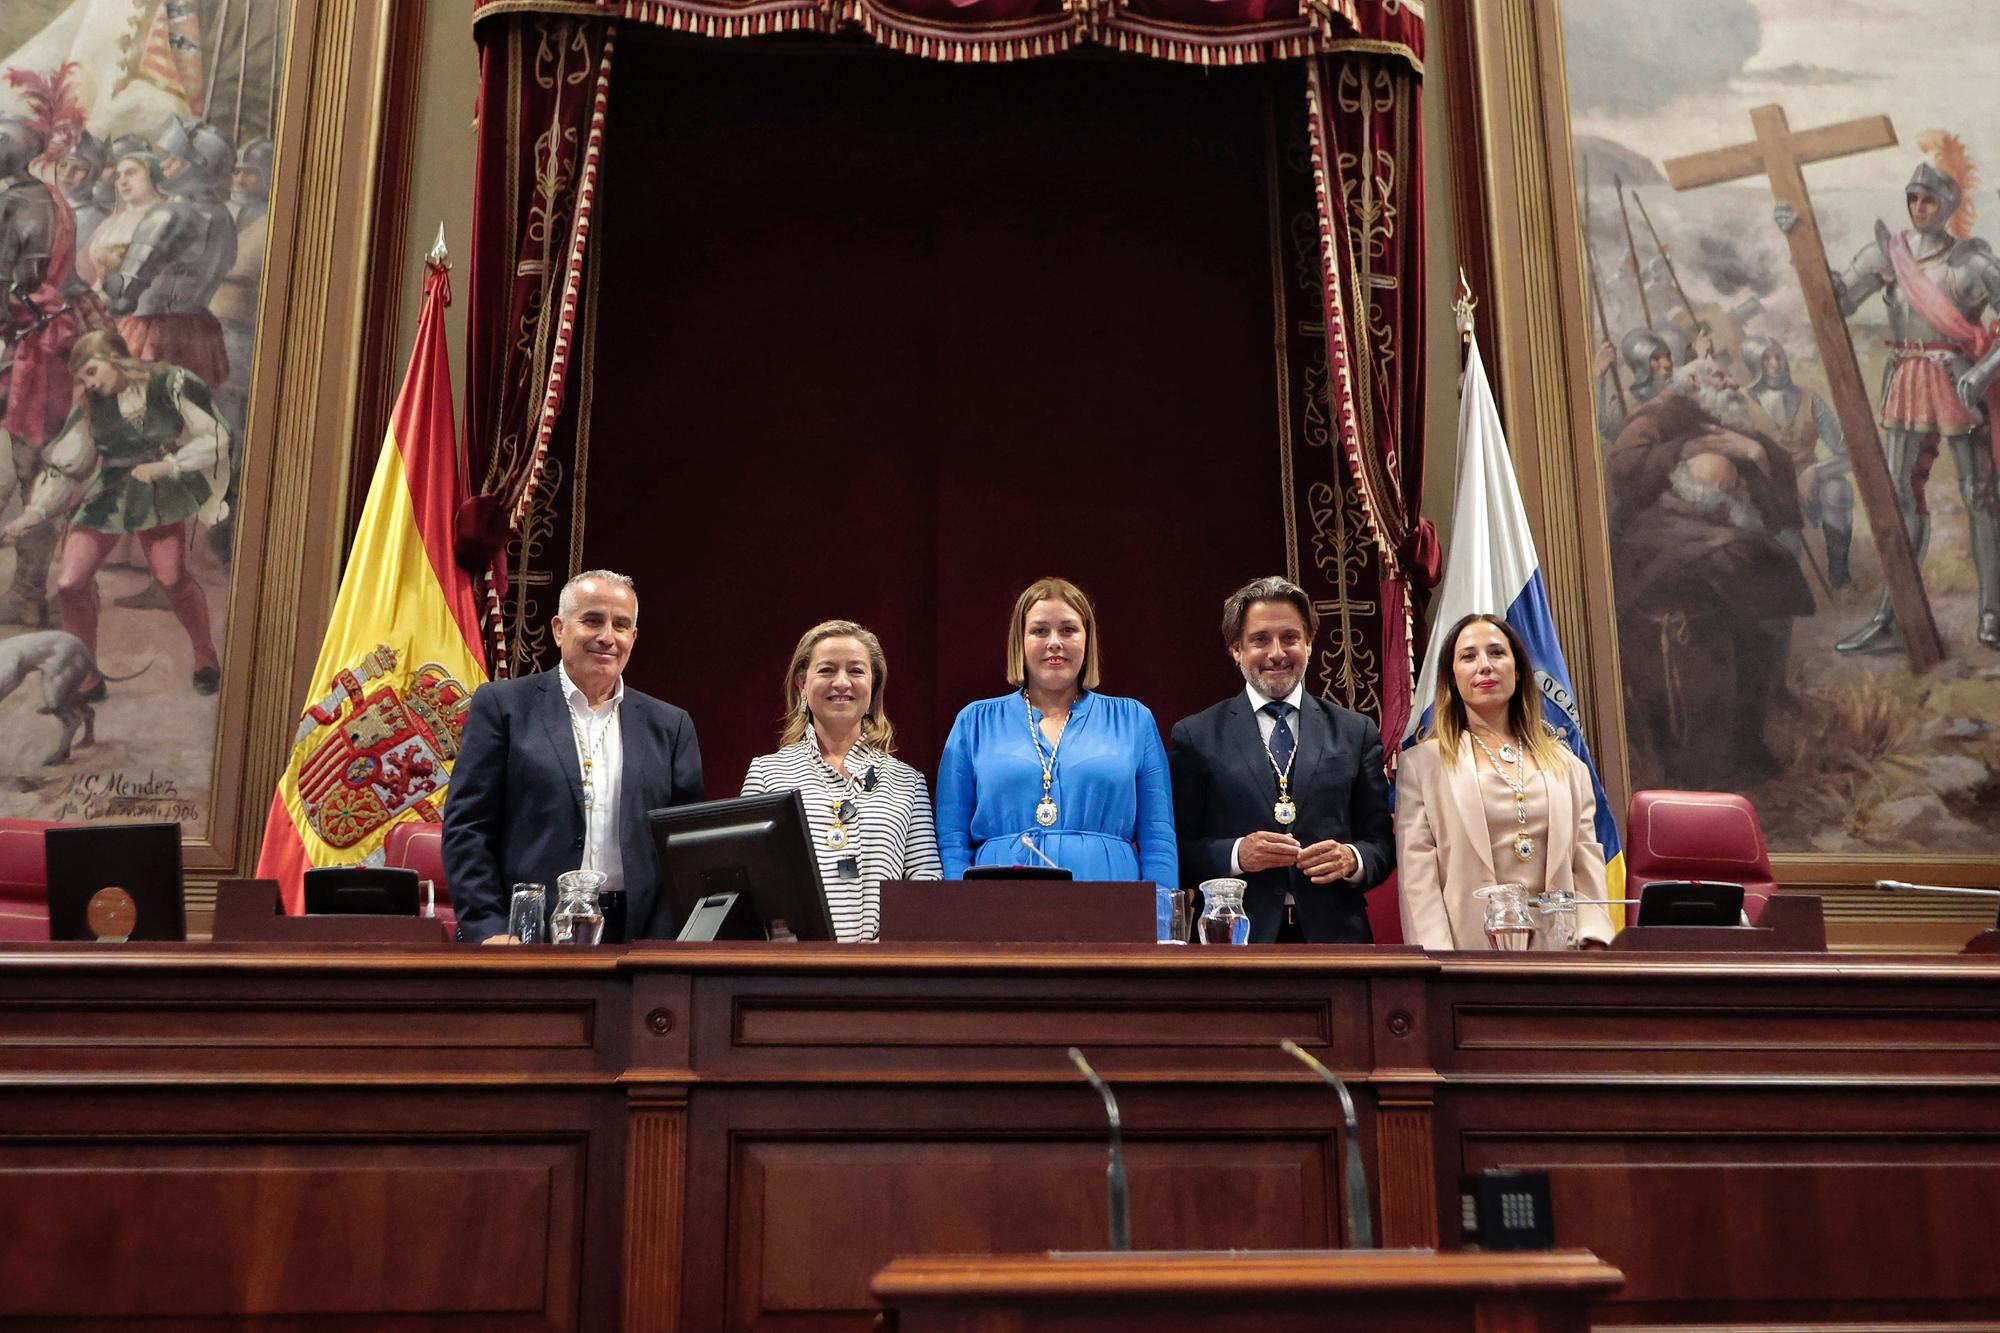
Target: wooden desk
column 736, row 1136
column 1311, row 1291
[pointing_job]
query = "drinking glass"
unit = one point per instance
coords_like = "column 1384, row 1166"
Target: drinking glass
column 1172, row 917
column 527, row 914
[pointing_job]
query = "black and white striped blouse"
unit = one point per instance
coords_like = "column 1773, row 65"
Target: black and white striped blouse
column 893, row 834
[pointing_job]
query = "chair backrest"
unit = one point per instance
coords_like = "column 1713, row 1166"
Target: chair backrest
column 1697, row 835
column 24, row 879
column 418, row 845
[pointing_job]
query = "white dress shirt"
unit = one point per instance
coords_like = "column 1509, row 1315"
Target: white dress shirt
column 596, row 732
column 1266, row 724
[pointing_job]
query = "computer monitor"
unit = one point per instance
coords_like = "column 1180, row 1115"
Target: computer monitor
column 115, row 882
column 1691, row 902
column 731, row 868
column 361, row 891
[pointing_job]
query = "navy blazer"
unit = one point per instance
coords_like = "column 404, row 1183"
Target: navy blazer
column 514, row 813
column 1224, row 789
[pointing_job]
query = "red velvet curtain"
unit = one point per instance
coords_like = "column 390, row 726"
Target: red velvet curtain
column 870, row 373
column 543, row 96
column 1350, row 197
column 1364, row 127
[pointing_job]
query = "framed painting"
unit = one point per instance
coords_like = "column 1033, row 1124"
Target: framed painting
column 193, row 191
column 1744, row 316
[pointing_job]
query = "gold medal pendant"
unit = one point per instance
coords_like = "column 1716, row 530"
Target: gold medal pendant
column 1284, row 811
column 1045, row 812
column 836, row 837
column 1524, row 847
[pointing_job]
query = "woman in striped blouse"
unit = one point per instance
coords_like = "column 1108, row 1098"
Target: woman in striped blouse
column 869, row 813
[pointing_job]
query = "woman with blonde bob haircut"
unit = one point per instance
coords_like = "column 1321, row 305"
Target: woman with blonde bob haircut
column 868, row 812
column 1492, row 796
column 1080, row 776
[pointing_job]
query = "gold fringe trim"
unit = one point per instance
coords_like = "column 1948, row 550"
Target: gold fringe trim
column 1324, row 27
column 1220, row 51
column 1045, row 36
column 758, row 21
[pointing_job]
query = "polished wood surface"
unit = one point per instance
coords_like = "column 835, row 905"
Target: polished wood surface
column 739, row 1136
column 1400, row 1289
column 1018, row 911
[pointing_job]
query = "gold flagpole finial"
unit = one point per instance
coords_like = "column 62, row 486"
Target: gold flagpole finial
column 439, row 255
column 1463, row 307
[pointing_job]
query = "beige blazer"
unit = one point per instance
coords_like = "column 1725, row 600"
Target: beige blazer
column 1444, row 850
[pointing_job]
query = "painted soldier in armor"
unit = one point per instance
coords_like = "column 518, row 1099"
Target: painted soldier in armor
column 178, row 257
column 250, row 185
column 37, row 246
column 235, row 303
column 78, row 176
column 1942, row 290
column 1651, row 360
column 1805, row 426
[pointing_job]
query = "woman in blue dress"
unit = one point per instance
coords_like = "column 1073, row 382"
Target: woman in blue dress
column 1082, row 775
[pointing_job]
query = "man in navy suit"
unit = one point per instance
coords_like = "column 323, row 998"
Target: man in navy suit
column 556, row 772
column 1280, row 789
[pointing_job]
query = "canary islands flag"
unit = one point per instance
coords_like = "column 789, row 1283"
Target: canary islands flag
column 395, row 675
column 1492, row 568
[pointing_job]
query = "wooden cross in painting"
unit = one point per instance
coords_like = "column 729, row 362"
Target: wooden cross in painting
column 1778, row 154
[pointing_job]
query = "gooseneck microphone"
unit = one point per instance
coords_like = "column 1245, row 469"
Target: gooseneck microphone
column 1114, row 1170
column 1029, row 843
column 1360, row 1226
column 1901, row 886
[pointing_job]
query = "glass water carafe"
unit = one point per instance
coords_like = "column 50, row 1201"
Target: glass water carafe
column 578, row 918
column 1510, row 920
column 1223, row 920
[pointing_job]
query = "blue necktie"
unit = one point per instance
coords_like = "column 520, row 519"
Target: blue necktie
column 1281, row 735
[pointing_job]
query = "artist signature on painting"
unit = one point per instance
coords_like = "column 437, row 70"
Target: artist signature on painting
column 121, row 795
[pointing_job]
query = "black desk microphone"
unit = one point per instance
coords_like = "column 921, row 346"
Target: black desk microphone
column 1360, row 1225
column 1114, row 1170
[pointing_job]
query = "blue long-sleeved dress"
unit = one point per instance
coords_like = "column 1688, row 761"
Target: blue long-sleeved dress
column 1116, row 803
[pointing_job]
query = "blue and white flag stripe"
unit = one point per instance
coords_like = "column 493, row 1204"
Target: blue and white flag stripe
column 1492, row 568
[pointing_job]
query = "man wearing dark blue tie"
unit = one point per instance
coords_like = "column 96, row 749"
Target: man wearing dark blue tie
column 1280, row 789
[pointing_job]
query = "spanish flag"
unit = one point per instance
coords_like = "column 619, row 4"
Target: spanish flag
column 377, row 738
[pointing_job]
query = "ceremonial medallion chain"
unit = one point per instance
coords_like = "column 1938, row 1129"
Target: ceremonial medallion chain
column 1045, row 809
column 1524, row 845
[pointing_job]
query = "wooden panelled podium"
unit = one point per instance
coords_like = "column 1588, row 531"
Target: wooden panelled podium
column 741, row 1136
column 1395, row 1291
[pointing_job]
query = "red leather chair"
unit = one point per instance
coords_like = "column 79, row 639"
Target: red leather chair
column 24, row 879
column 1697, row 835
column 417, row 845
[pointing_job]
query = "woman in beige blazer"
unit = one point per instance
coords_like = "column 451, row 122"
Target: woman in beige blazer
column 1491, row 796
